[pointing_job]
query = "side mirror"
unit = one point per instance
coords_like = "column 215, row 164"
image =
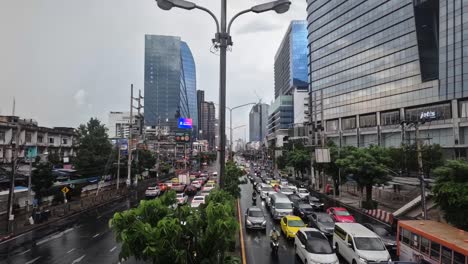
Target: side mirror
column 350, row 245
column 302, row 246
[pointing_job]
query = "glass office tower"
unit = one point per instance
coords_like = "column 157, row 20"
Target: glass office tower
column 376, row 63
column 170, row 82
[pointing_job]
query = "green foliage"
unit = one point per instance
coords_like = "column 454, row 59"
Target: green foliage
column 281, row 162
column 404, row 159
column 54, row 158
column 369, row 166
column 207, row 157
column 333, row 169
column 146, row 160
column 156, row 232
column 451, row 192
column 94, row 149
column 299, row 158
column 232, row 181
column 42, row 180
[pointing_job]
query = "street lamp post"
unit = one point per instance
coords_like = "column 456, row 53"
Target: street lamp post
column 222, row 41
column 230, row 125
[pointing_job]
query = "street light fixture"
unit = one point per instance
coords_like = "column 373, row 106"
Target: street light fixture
column 222, row 41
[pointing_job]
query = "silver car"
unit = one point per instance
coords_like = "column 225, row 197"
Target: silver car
column 266, row 190
column 255, row 219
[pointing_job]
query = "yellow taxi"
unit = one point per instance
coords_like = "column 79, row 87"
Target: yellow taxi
column 274, row 183
column 211, row 182
column 290, row 224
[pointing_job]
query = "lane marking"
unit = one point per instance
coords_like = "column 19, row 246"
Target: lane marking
column 112, row 249
column 45, row 240
column 70, row 251
column 241, row 233
column 33, row 260
column 96, row 235
column 78, row 259
column 24, row 252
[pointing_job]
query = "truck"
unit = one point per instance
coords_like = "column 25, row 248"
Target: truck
column 184, row 178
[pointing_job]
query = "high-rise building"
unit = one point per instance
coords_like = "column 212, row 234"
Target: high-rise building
column 170, row 82
column 376, row 63
column 258, row 120
column 291, row 81
column 200, row 100
column 291, row 60
column 208, row 124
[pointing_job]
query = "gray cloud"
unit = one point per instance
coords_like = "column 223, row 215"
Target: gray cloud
column 51, row 49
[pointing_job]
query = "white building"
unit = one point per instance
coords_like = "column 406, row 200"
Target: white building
column 119, row 123
column 301, row 106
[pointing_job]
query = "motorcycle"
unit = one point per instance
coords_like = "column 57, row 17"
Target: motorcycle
column 274, row 244
column 254, row 200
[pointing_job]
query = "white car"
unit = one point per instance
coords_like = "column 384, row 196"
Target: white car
column 181, row 198
column 302, row 192
column 312, row 246
column 152, row 192
column 208, row 187
column 286, row 190
column 204, row 193
column 197, row 201
column 197, row 184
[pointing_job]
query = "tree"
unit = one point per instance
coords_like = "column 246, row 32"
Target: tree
column 333, row 169
column 54, row 158
column 368, row 166
column 146, row 160
column 451, row 192
column 156, row 231
column 404, row 159
column 94, row 149
column 281, row 161
column 300, row 160
column 231, row 184
column 42, row 180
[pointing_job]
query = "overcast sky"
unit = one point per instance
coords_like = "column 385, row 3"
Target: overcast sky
column 66, row 61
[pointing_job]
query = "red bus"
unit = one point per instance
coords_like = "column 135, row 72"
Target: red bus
column 426, row 241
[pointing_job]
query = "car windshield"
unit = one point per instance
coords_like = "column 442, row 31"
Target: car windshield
column 255, row 213
column 302, row 191
column 319, row 246
column 369, row 243
column 286, row 190
column 380, row 231
column 267, row 189
column 179, row 195
column 324, row 219
column 313, row 199
column 283, row 206
column 152, row 188
column 198, row 199
column 342, row 213
column 295, row 223
column 306, row 207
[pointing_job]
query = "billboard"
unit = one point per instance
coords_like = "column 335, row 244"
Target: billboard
column 185, row 123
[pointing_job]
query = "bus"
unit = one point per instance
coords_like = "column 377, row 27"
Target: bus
column 425, row 241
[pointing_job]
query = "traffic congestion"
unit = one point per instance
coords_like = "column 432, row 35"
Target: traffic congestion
column 304, row 230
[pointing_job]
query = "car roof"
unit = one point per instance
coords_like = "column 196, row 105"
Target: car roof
column 199, row 196
column 255, row 209
column 339, row 208
column 356, row 229
column 292, row 217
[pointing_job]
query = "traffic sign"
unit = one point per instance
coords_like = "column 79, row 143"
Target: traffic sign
column 65, row 189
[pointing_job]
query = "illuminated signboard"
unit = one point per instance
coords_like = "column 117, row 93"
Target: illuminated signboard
column 185, row 123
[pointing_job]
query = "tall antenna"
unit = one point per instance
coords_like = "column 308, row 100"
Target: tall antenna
column 14, row 105
column 258, row 97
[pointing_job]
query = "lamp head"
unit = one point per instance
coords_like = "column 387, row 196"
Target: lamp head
column 279, row 6
column 168, row 4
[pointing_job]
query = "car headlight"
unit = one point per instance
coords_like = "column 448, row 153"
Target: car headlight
column 248, row 222
column 363, row 260
column 264, row 222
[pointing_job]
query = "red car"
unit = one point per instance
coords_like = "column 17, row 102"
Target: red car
column 340, row 215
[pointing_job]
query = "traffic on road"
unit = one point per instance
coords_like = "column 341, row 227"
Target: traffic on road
column 309, row 232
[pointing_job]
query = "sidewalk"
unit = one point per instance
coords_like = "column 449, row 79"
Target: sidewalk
column 87, row 200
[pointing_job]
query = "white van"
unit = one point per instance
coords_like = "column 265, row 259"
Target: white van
column 280, row 206
column 358, row 245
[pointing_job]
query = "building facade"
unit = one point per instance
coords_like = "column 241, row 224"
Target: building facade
column 291, row 60
column 291, row 81
column 258, row 120
column 170, row 82
column 208, row 124
column 57, row 140
column 119, row 124
column 374, row 64
column 200, row 100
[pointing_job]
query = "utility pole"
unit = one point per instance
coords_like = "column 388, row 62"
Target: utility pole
column 421, row 171
column 11, row 195
column 130, row 138
column 118, row 163
column 224, row 40
column 140, row 129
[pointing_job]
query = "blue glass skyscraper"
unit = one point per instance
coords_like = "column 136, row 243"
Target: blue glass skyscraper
column 291, row 69
column 170, row 82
